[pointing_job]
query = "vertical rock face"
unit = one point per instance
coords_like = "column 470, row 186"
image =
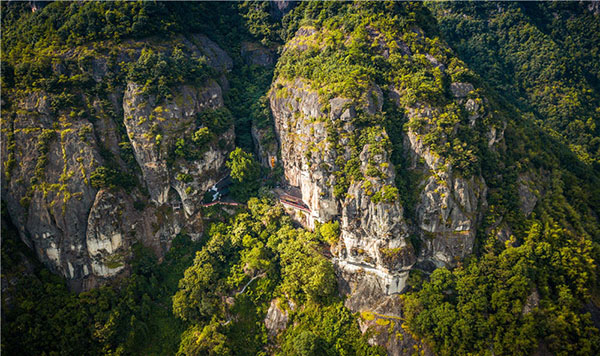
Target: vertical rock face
column 266, row 145
column 255, row 54
column 373, row 243
column 115, row 224
column 306, row 153
column 448, row 206
column 276, row 319
column 49, row 189
column 153, row 129
column 83, row 233
column 374, row 235
column 104, row 237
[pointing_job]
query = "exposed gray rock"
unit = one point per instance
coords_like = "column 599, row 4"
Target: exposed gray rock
column 494, row 136
column 281, row 7
column 532, row 302
column 381, row 314
column 461, row 90
column 504, row 232
column 374, row 100
column 449, row 207
column 154, row 128
column 99, row 68
column 47, row 210
column 306, row 154
column 341, row 108
column 265, row 141
column 373, row 257
column 104, row 238
column 374, row 235
column 85, row 234
column 593, row 6
column 434, row 61
column 217, row 57
column 527, row 197
column 447, row 214
column 256, row 54
column 276, row 319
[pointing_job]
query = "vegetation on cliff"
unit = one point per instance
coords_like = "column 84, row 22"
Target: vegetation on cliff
column 247, row 262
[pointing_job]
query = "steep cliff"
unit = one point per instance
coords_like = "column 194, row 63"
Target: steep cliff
column 313, row 147
column 344, row 171
column 450, row 206
column 77, row 196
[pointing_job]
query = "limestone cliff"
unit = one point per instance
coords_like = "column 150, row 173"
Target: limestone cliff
column 450, row 205
column 300, row 126
column 374, row 233
column 154, row 129
column 124, row 135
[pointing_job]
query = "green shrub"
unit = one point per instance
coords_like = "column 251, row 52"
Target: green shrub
column 202, row 137
column 105, row 177
column 330, row 232
column 158, row 73
column 216, row 120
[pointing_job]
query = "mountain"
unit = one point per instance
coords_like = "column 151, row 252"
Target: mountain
column 399, row 178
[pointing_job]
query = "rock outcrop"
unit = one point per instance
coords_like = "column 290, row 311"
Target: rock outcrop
column 344, row 171
column 374, row 237
column 255, row 54
column 266, row 145
column 448, row 208
column 305, row 150
column 450, row 204
column 154, row 129
column 49, row 189
column 78, row 230
column 276, row 319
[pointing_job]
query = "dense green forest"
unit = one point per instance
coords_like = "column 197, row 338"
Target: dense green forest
column 177, row 306
column 537, row 68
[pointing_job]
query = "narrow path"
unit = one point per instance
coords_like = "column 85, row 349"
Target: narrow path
column 221, row 203
column 242, row 291
column 250, row 281
column 294, row 205
column 287, row 198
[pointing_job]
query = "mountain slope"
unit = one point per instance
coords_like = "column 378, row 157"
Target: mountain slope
column 441, row 159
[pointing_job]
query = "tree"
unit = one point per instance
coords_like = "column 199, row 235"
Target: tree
column 330, row 232
column 245, row 172
column 306, row 344
column 207, row 340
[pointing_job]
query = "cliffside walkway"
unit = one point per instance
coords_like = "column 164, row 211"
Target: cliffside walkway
column 242, row 291
column 250, row 281
column 221, row 203
column 294, row 205
column 291, row 198
column 285, row 197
